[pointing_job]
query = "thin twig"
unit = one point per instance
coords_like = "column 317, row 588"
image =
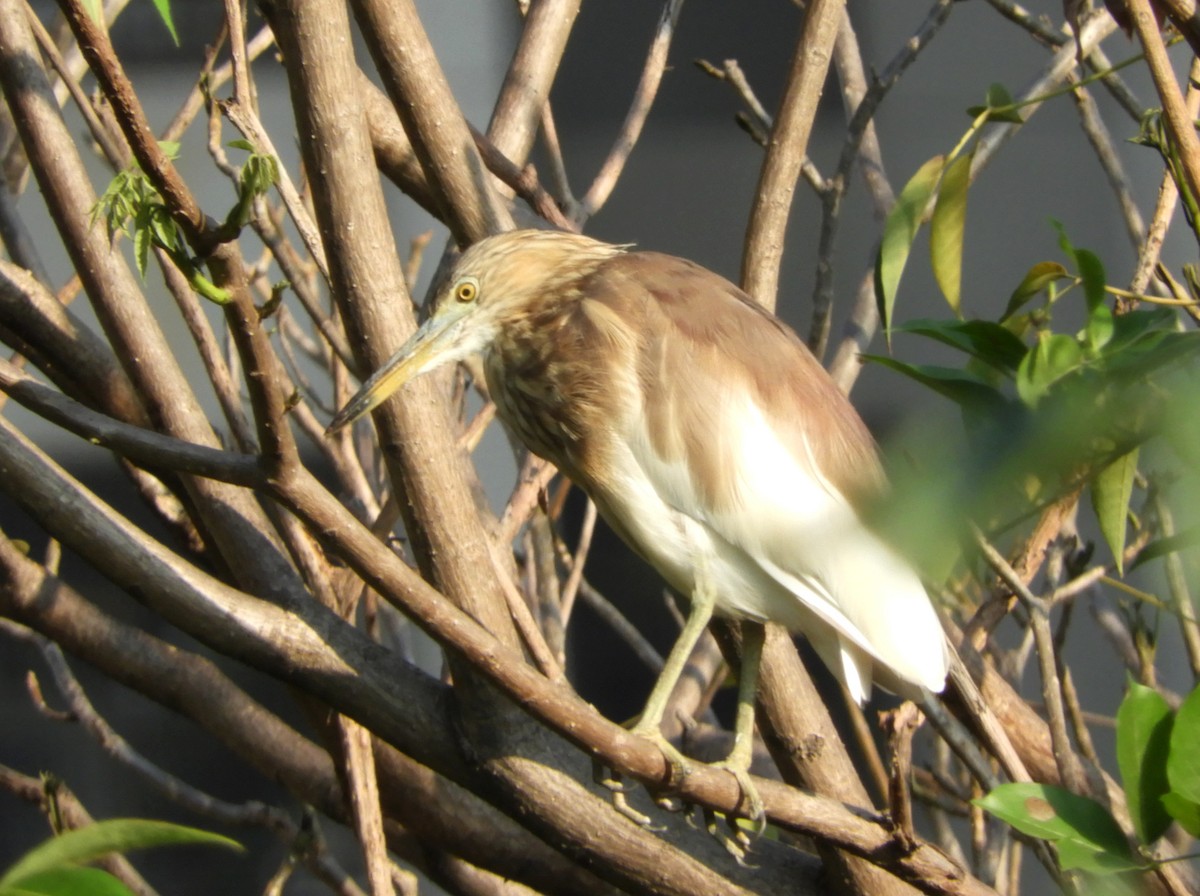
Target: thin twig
column 1168, row 199
column 113, row 147
column 730, row 71
column 631, row 129
column 140, row 445
column 625, row 630
column 212, row 81
column 1101, row 141
column 1177, row 584
column 243, row 84
column 559, row 181
column 864, row 736
column 246, row 121
column 526, row 624
column 1068, row 763
column 1096, row 29
column 359, row 765
column 534, row 480
column 215, row 368
column 571, row 586
column 65, row 812
column 860, row 145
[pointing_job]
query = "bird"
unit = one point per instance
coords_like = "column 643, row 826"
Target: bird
column 710, row 439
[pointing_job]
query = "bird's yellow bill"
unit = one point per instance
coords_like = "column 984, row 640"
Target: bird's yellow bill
column 420, row 353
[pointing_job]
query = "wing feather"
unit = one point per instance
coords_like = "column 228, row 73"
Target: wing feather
column 747, row 434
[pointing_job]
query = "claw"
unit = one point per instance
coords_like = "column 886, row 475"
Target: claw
column 736, row 844
column 757, row 816
column 612, row 782
column 601, row 775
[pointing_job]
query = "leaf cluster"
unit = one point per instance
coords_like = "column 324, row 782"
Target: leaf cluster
column 1050, row 409
column 1160, row 773
column 59, row 866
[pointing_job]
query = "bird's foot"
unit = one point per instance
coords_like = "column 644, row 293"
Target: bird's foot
column 680, row 765
column 757, row 813
column 727, row 830
column 736, row 831
column 611, row 781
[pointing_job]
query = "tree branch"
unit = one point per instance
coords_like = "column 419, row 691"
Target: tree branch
column 763, row 252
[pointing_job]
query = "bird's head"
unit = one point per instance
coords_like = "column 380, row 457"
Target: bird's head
column 497, row 280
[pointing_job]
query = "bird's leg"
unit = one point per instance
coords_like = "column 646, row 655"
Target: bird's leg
column 649, row 722
column 739, row 758
column 648, row 725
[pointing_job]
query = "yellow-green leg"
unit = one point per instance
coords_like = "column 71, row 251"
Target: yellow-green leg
column 649, row 724
column 739, row 758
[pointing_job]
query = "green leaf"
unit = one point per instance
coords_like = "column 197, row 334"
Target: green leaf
column 1079, row 855
column 1055, row 356
column 1160, row 547
column 1111, row 491
column 1035, row 280
column 991, row 343
column 141, row 248
column 1064, row 241
column 999, row 106
column 1087, row 836
column 899, row 231
column 1183, row 764
column 163, row 229
column 1091, row 271
column 1135, row 326
column 946, row 229
column 241, row 144
column 164, row 12
column 1099, row 329
column 103, row 837
column 959, row 386
column 70, row 881
column 1184, row 811
column 1144, row 723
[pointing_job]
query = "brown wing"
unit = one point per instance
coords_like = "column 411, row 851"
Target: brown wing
column 701, row 341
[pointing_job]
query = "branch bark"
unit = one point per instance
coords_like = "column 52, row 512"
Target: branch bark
column 763, row 252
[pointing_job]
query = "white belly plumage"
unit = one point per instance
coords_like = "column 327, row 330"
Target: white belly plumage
column 790, row 550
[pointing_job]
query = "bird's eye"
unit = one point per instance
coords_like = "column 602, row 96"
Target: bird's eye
column 466, row 290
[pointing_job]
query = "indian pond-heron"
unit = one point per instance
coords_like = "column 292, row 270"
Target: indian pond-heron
column 710, row 439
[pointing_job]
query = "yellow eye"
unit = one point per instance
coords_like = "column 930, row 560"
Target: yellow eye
column 466, row 290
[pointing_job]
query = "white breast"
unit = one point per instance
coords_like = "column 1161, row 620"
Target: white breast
column 790, row 550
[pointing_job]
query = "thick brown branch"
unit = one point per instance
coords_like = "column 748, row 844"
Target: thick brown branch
column 424, row 462
column 63, row 347
column 142, row 446
column 1180, row 125
column 763, row 252
column 446, row 815
column 526, row 86
column 231, row 516
column 439, row 134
